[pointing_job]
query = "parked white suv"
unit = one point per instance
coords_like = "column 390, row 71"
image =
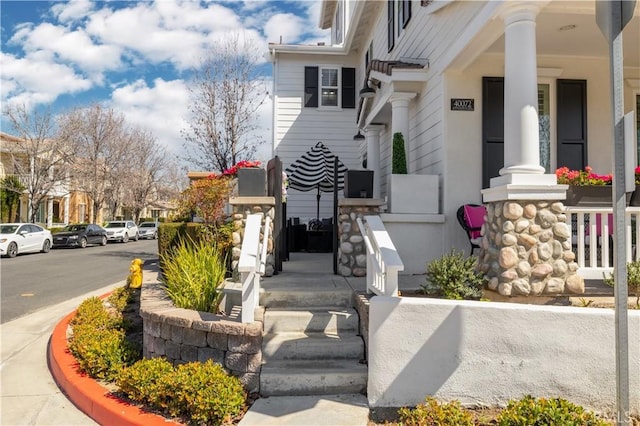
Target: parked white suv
column 122, row 230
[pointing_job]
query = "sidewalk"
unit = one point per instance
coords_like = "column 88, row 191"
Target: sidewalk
column 28, row 393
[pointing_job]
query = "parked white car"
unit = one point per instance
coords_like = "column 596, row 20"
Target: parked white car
column 122, row 230
column 17, row 238
column 148, row 230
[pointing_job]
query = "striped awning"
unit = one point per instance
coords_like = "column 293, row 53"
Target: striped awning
column 314, row 170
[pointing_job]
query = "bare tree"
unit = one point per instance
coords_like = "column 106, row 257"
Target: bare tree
column 38, row 157
column 148, row 169
column 98, row 138
column 225, row 97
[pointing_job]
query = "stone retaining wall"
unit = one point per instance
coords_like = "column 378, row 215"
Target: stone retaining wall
column 182, row 335
column 526, row 249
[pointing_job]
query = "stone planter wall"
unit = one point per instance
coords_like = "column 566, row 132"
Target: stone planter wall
column 526, row 249
column 182, row 335
column 241, row 208
column 352, row 254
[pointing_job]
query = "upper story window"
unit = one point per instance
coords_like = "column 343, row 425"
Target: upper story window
column 329, row 87
column 398, row 16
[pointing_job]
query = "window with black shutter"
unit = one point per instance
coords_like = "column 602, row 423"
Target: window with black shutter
column 325, row 86
column 310, row 86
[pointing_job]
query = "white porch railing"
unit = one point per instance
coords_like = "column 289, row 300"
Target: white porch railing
column 251, row 265
column 383, row 261
column 595, row 255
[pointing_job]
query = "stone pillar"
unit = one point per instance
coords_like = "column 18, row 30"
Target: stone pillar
column 352, row 253
column 49, row 212
column 372, row 134
column 521, row 139
column 241, row 208
column 400, row 119
column 526, row 249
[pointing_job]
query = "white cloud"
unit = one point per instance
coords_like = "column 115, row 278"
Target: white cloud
column 286, row 25
column 35, row 79
column 75, row 47
column 161, row 109
column 72, row 10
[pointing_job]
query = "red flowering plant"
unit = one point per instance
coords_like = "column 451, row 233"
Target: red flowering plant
column 584, row 177
column 232, row 171
column 637, row 172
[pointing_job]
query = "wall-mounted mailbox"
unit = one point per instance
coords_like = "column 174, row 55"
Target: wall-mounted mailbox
column 358, row 184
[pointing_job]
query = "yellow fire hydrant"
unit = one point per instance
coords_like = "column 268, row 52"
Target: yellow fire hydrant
column 134, row 280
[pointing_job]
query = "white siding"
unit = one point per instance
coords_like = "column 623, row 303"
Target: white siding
column 298, row 128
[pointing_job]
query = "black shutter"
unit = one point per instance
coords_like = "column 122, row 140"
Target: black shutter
column 390, row 34
column 492, row 128
column 348, row 87
column 572, row 124
column 406, row 12
column 310, row 86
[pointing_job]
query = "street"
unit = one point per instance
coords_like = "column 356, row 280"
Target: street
column 31, row 282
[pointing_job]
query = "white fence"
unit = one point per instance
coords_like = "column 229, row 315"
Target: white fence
column 252, row 263
column 383, row 261
column 595, row 255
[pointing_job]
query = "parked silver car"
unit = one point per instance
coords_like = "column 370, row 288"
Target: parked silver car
column 148, row 230
column 122, row 230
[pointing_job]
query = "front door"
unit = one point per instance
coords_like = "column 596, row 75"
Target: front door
column 567, row 139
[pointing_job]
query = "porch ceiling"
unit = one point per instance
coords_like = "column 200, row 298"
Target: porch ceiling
column 568, row 28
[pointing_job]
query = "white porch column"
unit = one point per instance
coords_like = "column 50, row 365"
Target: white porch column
column 49, row 212
column 521, row 138
column 66, row 209
column 400, row 119
column 372, row 134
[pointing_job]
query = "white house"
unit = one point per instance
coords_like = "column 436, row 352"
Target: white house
column 461, row 80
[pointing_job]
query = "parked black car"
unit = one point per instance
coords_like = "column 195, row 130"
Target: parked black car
column 79, row 235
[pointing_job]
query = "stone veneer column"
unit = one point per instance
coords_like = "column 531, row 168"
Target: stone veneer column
column 241, row 208
column 372, row 134
column 526, row 249
column 352, row 253
column 526, row 244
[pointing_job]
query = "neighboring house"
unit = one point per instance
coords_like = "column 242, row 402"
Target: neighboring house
column 441, row 73
column 62, row 205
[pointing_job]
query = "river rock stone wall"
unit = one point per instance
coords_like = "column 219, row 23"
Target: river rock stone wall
column 182, row 335
column 526, row 249
column 352, row 254
column 241, row 208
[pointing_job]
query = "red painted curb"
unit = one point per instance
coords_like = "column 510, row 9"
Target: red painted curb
column 89, row 396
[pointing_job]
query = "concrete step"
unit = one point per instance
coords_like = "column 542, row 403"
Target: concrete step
column 311, row 346
column 329, row 320
column 305, row 297
column 317, row 377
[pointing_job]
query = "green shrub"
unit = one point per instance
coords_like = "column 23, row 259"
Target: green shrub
column 140, row 380
column 194, row 275
column 203, row 392
column 120, row 298
column 633, row 280
column 434, row 413
column 529, row 411
column 454, row 276
column 398, row 155
column 101, row 353
column 92, row 312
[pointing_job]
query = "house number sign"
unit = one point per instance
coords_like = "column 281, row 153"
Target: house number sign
column 462, row 104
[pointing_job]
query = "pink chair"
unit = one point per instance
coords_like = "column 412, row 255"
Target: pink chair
column 471, row 219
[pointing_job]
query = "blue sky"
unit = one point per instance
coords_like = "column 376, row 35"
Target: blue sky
column 135, row 56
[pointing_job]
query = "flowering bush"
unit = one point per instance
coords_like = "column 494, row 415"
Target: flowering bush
column 584, row 177
column 232, row 171
column 637, row 175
